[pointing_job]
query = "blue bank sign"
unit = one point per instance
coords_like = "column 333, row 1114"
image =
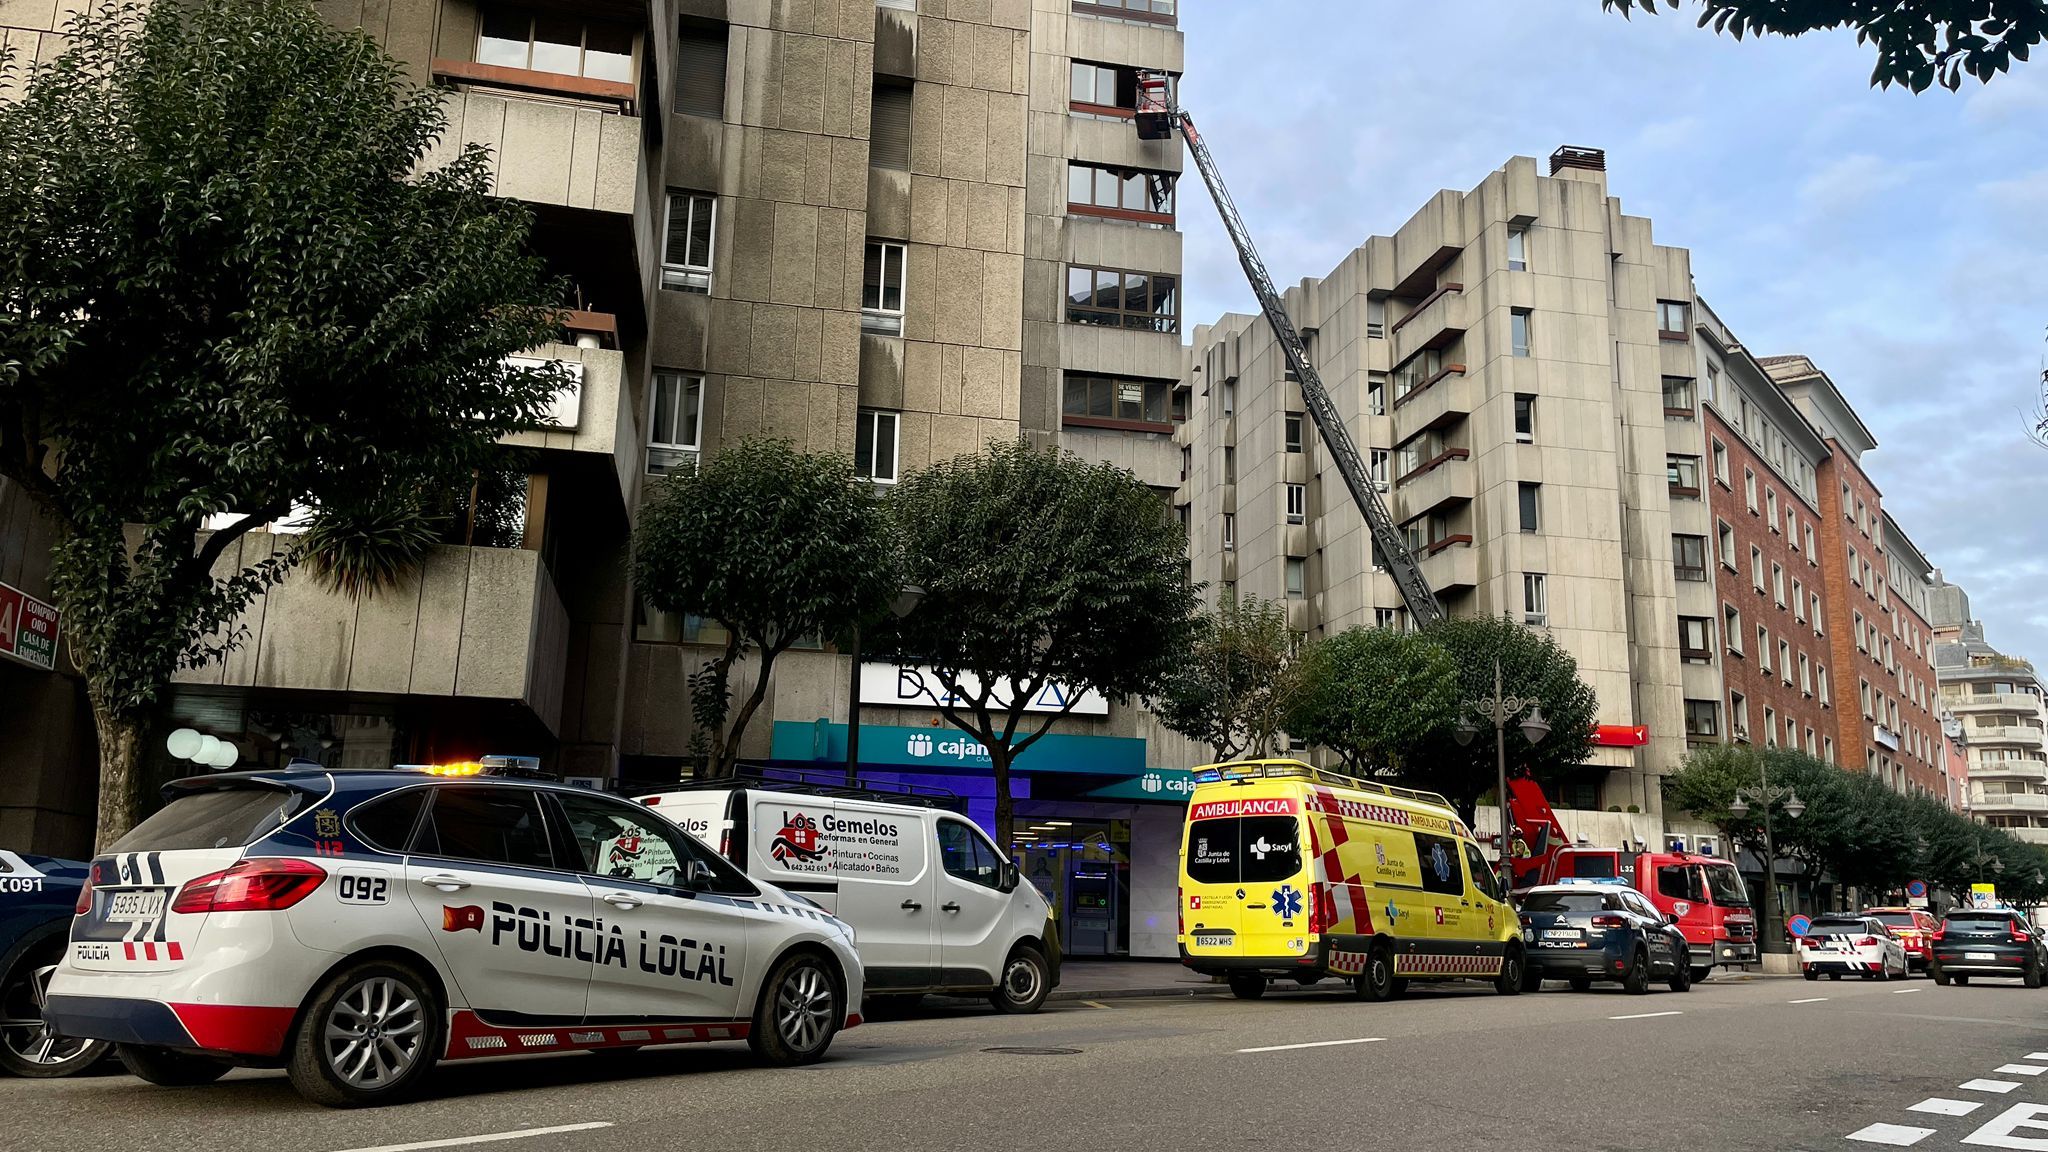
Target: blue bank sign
column 950, row 750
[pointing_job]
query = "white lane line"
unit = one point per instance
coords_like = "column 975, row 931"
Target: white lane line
column 1896, row 1135
column 1292, row 1047
column 1646, row 1015
column 1943, row 1106
column 2021, row 1069
column 1989, row 1085
column 487, row 1138
column 1808, row 1000
column 1903, row 991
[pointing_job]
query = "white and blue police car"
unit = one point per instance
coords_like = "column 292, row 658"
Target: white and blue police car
column 357, row 927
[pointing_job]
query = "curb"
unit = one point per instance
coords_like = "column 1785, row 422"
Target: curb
column 1182, row 990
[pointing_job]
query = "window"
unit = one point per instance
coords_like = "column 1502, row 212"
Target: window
column 1525, row 418
column 1674, row 319
column 1535, row 600
column 1378, row 465
column 486, row 824
column 1527, row 495
column 1376, row 394
column 1721, row 463
column 1297, row 577
column 1791, row 528
column 1756, row 567
column 1678, row 395
column 1738, row 716
column 889, row 127
column 1770, row 726
column 1818, row 630
column 1229, row 532
column 1483, row 877
column 1132, row 11
column 967, row 855
column 1731, row 619
column 1727, row 540
column 1297, row 503
column 1812, row 557
column 1712, row 392
column 1785, row 660
column 675, row 421
column 1812, row 745
column 1777, row 584
column 1229, row 405
column 1805, row 674
column 1518, row 331
column 1518, row 248
column 687, row 251
column 1229, row 465
column 1696, row 639
column 1827, row 746
column 1791, row 732
column 1682, row 475
column 1798, row 602
column 1857, row 628
column 1131, row 194
column 700, row 71
column 1763, row 648
column 1749, row 489
column 1376, row 318
column 1293, row 431
column 1108, row 401
column 874, row 447
column 1098, row 88
column 1689, row 557
column 1140, row 301
column 554, row 42
column 1702, row 719
column 881, row 289
column 617, row 841
column 1771, row 507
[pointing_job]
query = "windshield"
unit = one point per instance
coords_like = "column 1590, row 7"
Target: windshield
column 1244, row 849
column 1564, row 902
column 1896, row 919
column 1725, row 883
column 1837, row 928
column 213, row 819
column 1979, row 921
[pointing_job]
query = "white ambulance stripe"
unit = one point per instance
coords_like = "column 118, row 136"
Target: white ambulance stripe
column 1943, row 1106
column 1896, row 1135
column 487, row 1138
column 1315, row 1044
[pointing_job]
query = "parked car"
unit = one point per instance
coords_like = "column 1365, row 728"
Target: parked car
column 1837, row 946
column 1987, row 942
column 1915, row 928
column 1584, row 932
column 358, row 927
column 37, row 894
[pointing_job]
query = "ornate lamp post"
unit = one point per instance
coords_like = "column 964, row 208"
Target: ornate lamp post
column 1766, row 795
column 1500, row 709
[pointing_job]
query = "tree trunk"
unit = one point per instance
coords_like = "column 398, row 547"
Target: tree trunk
column 999, row 762
column 123, row 789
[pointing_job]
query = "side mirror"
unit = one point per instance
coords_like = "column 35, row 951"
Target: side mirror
column 1011, row 877
column 696, row 874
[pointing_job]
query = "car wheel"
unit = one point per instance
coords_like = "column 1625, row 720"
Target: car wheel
column 1247, row 987
column 1581, row 984
column 1378, row 981
column 27, row 1046
column 1701, row 975
column 368, row 1036
column 1026, row 982
column 1509, row 982
column 799, row 1011
column 1961, row 978
column 1532, row 977
column 169, row 1069
column 1636, row 981
column 1834, row 975
column 1940, row 977
column 1810, row 974
column 2031, row 978
column 1681, row 979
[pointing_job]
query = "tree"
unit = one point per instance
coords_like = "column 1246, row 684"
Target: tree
column 1038, row 569
column 1374, row 696
column 1234, row 685
column 1532, row 666
column 774, row 544
column 228, row 288
column 1919, row 42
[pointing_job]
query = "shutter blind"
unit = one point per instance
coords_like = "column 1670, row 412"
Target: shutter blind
column 700, row 72
column 889, row 128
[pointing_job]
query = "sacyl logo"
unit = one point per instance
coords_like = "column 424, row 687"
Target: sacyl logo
column 920, row 745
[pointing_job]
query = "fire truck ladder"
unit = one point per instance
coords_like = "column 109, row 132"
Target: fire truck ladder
column 1158, row 113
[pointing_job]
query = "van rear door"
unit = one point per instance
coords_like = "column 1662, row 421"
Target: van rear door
column 1245, row 885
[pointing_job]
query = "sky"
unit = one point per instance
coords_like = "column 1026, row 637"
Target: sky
column 1899, row 240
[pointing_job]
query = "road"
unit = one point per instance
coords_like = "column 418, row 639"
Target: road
column 1747, row 1064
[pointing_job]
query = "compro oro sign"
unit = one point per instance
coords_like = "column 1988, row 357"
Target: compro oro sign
column 909, row 686
column 28, row 629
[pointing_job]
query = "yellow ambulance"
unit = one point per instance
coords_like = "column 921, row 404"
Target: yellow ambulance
column 1290, row 872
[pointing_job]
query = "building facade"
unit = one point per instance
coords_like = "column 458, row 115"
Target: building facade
column 1997, row 707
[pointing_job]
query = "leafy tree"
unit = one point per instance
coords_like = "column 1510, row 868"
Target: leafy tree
column 1374, row 696
column 1919, row 42
column 1532, row 666
column 774, row 544
column 227, row 287
column 1234, row 685
column 1037, row 568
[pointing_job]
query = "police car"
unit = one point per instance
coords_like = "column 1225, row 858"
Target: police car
column 1583, row 930
column 358, row 927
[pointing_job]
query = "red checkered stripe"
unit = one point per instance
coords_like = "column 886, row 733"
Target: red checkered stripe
column 1325, row 800
column 1345, row 906
column 1423, row 964
column 1347, row 963
column 150, row 950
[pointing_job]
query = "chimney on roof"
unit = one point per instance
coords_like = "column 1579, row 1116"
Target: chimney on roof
column 1585, row 159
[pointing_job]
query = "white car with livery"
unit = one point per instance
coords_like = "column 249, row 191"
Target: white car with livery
column 1848, row 945
column 358, row 927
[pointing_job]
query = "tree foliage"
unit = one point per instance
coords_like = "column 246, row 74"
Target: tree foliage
column 1037, row 568
column 227, row 287
column 1233, row 687
column 1919, row 43
column 774, row 544
column 1375, row 696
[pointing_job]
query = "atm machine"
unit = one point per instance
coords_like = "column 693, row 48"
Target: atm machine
column 1090, row 929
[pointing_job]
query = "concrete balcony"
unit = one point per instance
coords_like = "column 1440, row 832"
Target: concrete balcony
column 2033, row 770
column 1430, row 239
column 2008, row 804
column 1446, row 480
column 478, row 623
column 550, row 142
column 1437, row 321
column 590, row 418
column 1450, row 565
column 2010, row 734
column 2036, row 835
column 1436, row 400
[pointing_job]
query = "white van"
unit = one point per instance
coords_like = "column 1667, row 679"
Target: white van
column 934, row 904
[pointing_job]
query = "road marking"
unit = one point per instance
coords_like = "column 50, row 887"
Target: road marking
column 1645, row 1015
column 2021, row 1069
column 487, row 1138
column 1316, row 1044
column 2037, row 1055
column 1943, row 1106
column 1903, row 991
column 1809, row 1000
column 1989, row 1085
column 1094, row 1003
column 1897, row 1135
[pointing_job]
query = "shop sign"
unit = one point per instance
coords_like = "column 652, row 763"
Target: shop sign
column 28, row 629
column 1158, row 784
column 919, row 686
column 949, row 749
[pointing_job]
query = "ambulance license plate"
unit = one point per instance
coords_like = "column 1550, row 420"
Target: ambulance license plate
column 147, row 904
column 1212, row 939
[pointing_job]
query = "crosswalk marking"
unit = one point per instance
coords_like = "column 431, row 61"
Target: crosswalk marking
column 2021, row 1069
column 1896, row 1135
column 1943, row 1106
column 1982, row 1085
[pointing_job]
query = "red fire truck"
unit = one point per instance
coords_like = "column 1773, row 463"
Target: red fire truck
column 1704, row 895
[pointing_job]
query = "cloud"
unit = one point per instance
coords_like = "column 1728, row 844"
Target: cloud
column 1846, row 183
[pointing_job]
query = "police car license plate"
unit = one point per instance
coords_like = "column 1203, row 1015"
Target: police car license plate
column 1980, row 955
column 1212, row 939
column 1561, row 934
column 147, row 904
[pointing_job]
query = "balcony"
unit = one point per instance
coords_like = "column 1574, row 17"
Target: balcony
column 588, row 418
column 2034, row 770
column 1450, row 565
column 2010, row 734
column 558, row 140
column 1434, row 401
column 2036, row 835
column 478, row 623
column 1436, row 322
column 1991, row 804
column 1445, row 480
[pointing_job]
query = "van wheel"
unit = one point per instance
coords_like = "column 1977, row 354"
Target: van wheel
column 1636, row 981
column 1025, row 982
column 367, row 1036
column 1509, row 982
column 1378, row 981
column 799, row 1011
column 1247, row 987
column 169, row 1069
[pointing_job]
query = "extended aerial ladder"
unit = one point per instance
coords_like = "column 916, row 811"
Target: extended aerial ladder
column 1158, row 114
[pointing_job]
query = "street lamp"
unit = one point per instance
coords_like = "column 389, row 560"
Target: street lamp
column 1500, row 709
column 905, row 602
column 1766, row 795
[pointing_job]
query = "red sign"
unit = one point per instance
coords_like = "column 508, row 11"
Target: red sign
column 1220, row 809
column 1621, row 735
column 28, row 629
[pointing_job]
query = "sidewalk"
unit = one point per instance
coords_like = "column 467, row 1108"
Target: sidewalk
column 1122, row 979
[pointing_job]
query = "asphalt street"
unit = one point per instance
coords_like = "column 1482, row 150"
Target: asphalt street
column 1748, row 1064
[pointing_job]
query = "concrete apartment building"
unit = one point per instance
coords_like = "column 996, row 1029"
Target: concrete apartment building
column 1502, row 361
column 1995, row 702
